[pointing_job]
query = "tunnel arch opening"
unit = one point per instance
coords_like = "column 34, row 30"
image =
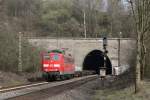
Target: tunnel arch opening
column 94, row 60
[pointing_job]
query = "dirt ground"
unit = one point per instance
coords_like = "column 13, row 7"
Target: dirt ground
column 127, row 93
column 83, row 92
column 96, row 90
column 8, row 79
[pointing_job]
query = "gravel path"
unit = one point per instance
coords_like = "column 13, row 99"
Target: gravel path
column 80, row 90
column 83, row 92
column 61, row 92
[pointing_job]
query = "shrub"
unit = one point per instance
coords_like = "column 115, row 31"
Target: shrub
column 9, row 54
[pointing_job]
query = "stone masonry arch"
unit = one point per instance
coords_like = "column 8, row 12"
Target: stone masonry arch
column 80, row 48
column 94, row 60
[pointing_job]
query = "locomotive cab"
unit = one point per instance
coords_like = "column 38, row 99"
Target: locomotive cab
column 57, row 64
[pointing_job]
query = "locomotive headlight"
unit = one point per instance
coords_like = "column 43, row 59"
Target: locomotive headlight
column 45, row 65
column 56, row 65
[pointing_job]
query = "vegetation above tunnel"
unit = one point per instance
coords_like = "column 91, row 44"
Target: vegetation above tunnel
column 65, row 18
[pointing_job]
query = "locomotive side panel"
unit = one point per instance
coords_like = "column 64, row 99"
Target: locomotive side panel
column 69, row 67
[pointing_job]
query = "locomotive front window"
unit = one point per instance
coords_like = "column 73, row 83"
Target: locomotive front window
column 46, row 57
column 55, row 57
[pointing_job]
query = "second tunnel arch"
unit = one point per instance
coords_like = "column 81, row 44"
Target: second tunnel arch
column 94, row 60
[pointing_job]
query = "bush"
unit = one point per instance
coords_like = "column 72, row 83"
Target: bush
column 30, row 57
column 9, row 54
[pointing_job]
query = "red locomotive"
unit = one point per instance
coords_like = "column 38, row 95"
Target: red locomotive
column 56, row 64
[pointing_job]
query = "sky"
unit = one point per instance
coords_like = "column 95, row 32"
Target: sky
column 105, row 4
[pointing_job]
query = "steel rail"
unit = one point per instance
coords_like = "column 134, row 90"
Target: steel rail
column 22, row 86
column 23, row 90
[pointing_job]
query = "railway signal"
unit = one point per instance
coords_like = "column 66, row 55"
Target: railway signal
column 119, row 48
column 103, row 69
column 104, row 41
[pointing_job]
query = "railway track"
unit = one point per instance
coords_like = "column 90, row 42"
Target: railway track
column 6, row 89
column 27, row 92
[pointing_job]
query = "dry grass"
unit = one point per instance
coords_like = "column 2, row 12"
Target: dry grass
column 124, row 94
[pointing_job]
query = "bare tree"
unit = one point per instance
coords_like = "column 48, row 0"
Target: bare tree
column 141, row 14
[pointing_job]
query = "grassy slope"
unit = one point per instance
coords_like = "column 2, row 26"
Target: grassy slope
column 124, row 94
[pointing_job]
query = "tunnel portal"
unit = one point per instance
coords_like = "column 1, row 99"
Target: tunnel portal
column 94, row 60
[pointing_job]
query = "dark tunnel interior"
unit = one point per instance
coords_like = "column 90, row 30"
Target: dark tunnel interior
column 94, row 60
